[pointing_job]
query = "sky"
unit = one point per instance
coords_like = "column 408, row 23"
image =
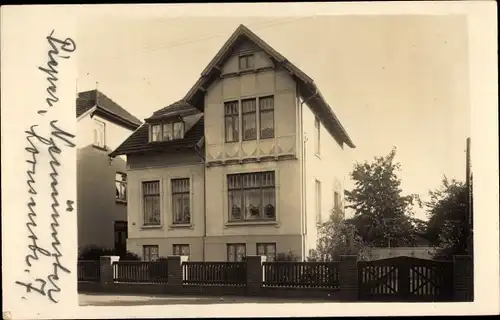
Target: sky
column 391, row 80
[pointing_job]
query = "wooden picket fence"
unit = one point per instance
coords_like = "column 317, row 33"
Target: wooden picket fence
column 214, row 273
column 301, row 274
column 141, row 271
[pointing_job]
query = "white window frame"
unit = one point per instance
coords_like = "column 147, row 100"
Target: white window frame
column 243, row 219
column 190, row 194
column 161, row 125
column 100, row 128
column 143, row 213
column 150, row 246
column 121, row 183
column 246, row 58
column 266, row 253
column 180, row 246
column 257, row 112
column 235, row 245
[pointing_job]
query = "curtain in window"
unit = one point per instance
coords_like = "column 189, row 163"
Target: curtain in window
column 249, row 112
column 181, row 201
column 151, row 191
column 150, row 253
column 167, row 132
column 231, row 113
column 155, row 132
column 266, row 106
column 178, row 130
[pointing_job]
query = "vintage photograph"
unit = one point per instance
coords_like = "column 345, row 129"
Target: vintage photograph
column 274, row 159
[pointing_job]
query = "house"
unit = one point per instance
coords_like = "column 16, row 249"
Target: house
column 248, row 162
column 102, row 125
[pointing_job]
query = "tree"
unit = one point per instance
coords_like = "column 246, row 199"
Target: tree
column 337, row 237
column 447, row 212
column 382, row 214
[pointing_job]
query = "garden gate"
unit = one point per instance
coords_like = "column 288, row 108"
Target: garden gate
column 405, row 279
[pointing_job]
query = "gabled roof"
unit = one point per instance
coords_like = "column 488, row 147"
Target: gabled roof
column 93, row 98
column 138, row 141
column 307, row 87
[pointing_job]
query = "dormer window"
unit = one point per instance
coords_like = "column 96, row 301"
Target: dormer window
column 167, row 131
column 246, row 62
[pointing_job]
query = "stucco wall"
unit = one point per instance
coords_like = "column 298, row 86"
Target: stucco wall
column 96, row 190
column 287, row 200
column 329, row 167
column 263, row 83
column 136, row 229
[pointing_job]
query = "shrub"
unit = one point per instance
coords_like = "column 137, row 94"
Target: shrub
column 95, row 252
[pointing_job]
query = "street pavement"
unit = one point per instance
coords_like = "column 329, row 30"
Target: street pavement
column 141, row 300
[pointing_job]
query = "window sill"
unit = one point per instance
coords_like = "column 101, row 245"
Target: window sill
column 124, row 202
column 180, row 226
column 252, row 223
column 153, row 226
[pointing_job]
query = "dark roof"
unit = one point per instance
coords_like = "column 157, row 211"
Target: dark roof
column 180, row 108
column 139, row 140
column 94, row 98
column 307, row 87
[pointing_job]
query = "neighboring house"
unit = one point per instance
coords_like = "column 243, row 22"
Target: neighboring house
column 248, row 162
column 102, row 125
column 422, row 249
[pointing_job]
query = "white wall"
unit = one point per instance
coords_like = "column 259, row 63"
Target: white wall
column 330, row 167
column 96, row 193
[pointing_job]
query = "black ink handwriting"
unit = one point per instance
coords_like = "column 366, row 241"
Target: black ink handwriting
column 66, row 45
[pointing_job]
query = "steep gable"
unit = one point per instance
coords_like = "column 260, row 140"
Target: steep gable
column 244, row 39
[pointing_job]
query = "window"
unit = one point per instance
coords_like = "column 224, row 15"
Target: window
column 236, row 252
column 318, row 201
column 252, row 196
column 121, row 186
column 250, row 122
column 167, row 131
column 317, row 130
column 181, row 250
column 155, row 132
column 150, row 253
column 267, row 249
column 249, row 117
column 99, row 131
column 266, row 113
column 246, row 62
column 336, row 201
column 180, row 201
column 231, row 115
column 151, row 196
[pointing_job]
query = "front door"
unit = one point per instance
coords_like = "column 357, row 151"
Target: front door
column 121, row 237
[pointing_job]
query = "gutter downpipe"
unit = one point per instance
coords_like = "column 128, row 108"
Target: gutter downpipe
column 204, row 201
column 303, row 216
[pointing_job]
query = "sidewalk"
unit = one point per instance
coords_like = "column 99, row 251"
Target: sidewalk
column 137, row 300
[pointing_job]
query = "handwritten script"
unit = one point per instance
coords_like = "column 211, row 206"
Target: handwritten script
column 54, row 145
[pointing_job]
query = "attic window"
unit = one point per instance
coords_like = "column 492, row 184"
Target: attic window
column 246, row 62
column 166, row 131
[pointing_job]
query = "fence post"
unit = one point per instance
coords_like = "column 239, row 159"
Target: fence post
column 255, row 275
column 174, row 269
column 106, row 268
column 463, row 278
column 348, row 277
